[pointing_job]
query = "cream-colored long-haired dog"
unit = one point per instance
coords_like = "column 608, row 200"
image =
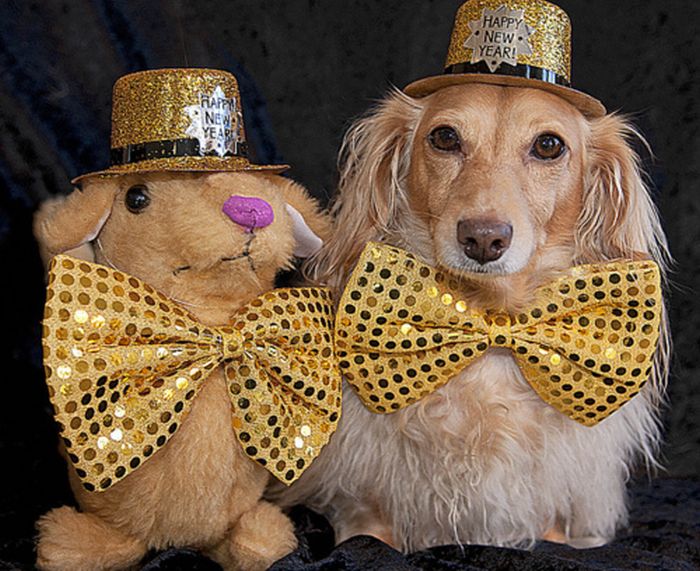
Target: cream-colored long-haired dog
column 506, row 187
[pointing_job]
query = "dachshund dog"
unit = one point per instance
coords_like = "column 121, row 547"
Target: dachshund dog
column 505, row 187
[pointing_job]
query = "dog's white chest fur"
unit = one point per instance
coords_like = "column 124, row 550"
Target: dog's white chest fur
column 481, row 460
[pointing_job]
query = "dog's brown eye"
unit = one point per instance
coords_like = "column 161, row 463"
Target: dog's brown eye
column 548, row 147
column 445, row 139
column 137, row 198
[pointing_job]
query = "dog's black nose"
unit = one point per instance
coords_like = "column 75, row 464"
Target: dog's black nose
column 484, row 240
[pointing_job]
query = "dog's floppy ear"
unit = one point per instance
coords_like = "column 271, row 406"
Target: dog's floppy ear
column 67, row 224
column 618, row 218
column 310, row 224
column 373, row 163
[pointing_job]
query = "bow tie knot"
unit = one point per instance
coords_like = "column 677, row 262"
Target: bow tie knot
column 499, row 329
column 232, row 344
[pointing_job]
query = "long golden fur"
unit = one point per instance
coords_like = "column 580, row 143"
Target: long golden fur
column 483, row 459
column 201, row 490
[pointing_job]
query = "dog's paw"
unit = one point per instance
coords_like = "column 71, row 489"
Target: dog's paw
column 72, row 541
column 587, row 542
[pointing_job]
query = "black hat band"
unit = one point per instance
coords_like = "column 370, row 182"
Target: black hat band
column 520, row 70
column 168, row 149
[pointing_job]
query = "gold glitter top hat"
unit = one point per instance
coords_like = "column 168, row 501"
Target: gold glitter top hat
column 519, row 43
column 178, row 120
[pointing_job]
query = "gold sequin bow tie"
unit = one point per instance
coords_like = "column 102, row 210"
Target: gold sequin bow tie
column 124, row 363
column 585, row 344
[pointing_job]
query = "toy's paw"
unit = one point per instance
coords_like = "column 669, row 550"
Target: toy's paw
column 260, row 537
column 73, row 541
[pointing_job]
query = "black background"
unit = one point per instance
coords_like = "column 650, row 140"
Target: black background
column 306, row 69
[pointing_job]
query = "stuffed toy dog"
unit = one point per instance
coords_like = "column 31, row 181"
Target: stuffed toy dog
column 171, row 363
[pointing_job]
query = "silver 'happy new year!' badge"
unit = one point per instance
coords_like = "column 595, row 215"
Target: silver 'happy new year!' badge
column 499, row 36
column 215, row 123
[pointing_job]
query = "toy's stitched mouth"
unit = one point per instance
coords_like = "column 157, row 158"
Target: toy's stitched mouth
column 244, row 254
column 233, row 258
column 240, row 256
column 176, row 271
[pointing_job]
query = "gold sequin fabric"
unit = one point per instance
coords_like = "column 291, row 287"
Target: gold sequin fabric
column 124, row 363
column 585, row 345
column 550, row 41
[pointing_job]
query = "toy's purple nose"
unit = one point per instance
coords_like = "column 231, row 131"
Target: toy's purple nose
column 249, row 212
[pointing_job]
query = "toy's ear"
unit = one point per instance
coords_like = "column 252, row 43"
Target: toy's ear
column 307, row 243
column 67, row 224
column 311, row 225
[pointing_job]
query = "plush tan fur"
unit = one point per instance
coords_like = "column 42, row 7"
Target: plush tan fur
column 483, row 459
column 200, row 490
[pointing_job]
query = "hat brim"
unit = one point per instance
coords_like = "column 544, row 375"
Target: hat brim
column 588, row 105
column 184, row 164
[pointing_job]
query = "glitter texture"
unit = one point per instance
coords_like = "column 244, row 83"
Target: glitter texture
column 121, row 385
column 585, row 345
column 152, row 105
column 550, row 41
column 546, row 47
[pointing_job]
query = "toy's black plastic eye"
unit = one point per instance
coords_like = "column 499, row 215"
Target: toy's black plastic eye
column 548, row 147
column 445, row 139
column 137, row 199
